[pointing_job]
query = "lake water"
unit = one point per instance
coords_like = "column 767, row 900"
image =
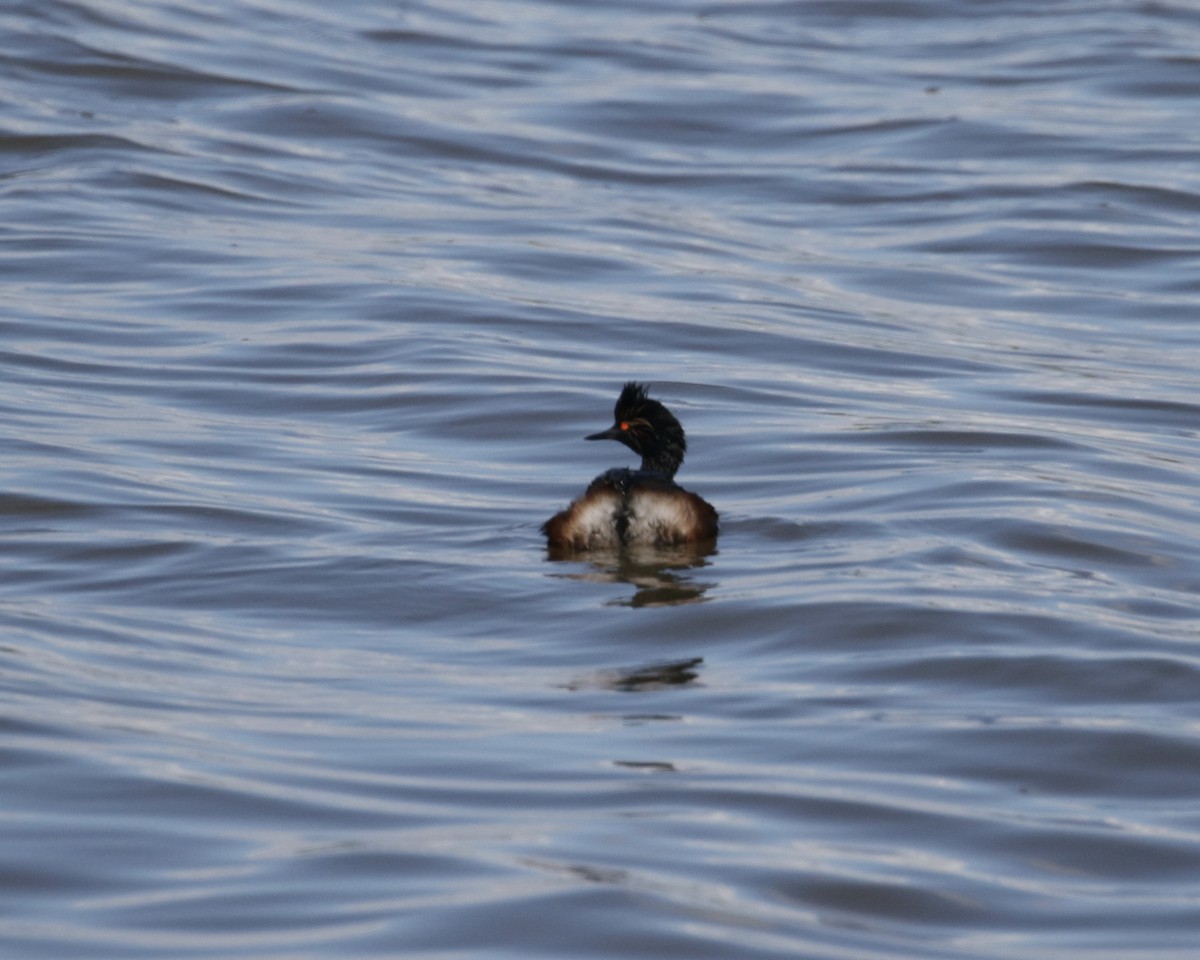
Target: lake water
column 307, row 308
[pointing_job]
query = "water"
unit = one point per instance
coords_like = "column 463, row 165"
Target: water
column 308, row 308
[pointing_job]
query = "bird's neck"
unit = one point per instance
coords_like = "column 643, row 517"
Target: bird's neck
column 661, row 461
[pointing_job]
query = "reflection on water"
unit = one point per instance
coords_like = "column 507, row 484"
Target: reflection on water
column 660, row 576
column 647, row 766
column 650, row 676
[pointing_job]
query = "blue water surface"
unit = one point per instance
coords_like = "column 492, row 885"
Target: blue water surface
column 307, row 310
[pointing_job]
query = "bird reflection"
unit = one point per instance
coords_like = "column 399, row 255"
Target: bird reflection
column 649, row 676
column 670, row 673
column 660, row 576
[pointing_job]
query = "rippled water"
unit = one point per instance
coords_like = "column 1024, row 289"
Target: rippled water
column 307, row 309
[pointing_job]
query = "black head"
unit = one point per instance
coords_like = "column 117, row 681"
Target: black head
column 647, row 428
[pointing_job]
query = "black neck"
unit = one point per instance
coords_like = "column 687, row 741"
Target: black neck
column 661, row 461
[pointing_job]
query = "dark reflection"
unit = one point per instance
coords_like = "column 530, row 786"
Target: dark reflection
column 651, row 676
column 672, row 673
column 661, row 576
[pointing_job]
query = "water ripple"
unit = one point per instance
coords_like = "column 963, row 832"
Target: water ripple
column 308, row 312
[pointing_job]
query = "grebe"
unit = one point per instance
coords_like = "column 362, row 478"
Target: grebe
column 644, row 506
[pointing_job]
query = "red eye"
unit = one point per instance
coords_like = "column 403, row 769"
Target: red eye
column 624, row 425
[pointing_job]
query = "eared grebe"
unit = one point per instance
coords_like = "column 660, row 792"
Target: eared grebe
column 644, row 506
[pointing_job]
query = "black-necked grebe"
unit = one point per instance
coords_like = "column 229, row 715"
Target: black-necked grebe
column 644, row 506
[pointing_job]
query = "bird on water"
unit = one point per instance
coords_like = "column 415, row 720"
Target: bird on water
column 622, row 506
